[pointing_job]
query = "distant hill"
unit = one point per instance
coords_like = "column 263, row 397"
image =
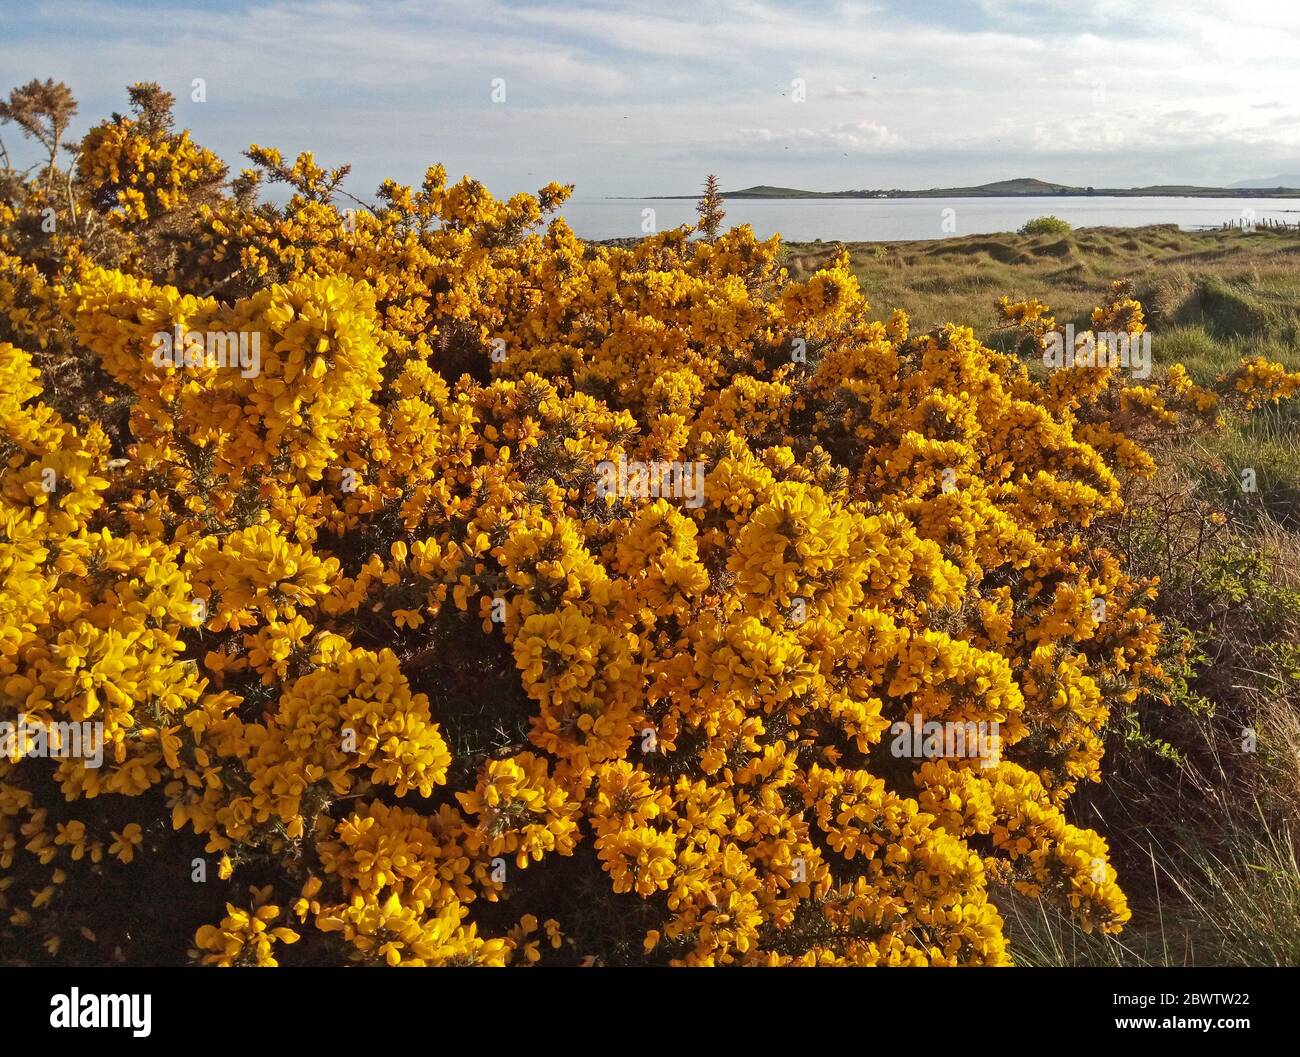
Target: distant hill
column 1272, row 182
column 1020, row 186
column 1029, row 187
column 768, row 191
column 1025, row 185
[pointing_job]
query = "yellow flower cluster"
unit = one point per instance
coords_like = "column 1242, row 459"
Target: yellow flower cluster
column 1265, row 382
column 244, row 937
column 137, row 171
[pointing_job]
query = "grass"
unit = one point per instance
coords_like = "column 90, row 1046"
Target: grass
column 1252, row 470
column 1211, row 297
column 1239, row 909
column 1220, row 886
column 1204, row 834
column 1193, row 347
column 1234, row 280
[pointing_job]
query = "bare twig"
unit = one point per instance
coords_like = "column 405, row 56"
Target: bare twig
column 72, row 202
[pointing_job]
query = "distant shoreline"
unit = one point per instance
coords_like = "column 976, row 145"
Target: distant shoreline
column 1021, row 188
column 976, row 237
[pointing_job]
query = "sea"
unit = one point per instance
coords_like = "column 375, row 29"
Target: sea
column 885, row 219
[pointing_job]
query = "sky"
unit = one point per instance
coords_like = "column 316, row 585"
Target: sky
column 636, row 99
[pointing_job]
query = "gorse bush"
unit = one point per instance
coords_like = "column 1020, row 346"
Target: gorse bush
column 1048, row 225
column 404, row 650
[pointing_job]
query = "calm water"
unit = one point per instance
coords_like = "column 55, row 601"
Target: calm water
column 876, row 219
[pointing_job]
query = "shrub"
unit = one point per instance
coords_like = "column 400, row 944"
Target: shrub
column 397, row 629
column 1046, row 226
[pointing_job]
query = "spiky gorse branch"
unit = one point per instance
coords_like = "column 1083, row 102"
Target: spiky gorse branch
column 709, row 209
column 364, row 632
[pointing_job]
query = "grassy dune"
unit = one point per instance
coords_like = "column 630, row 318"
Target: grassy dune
column 1207, row 294
column 1203, row 831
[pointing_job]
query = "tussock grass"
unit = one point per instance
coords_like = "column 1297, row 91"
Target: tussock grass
column 1201, row 797
column 1221, row 280
column 1221, row 886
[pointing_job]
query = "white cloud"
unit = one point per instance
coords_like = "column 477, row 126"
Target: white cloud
column 621, row 97
column 856, row 135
